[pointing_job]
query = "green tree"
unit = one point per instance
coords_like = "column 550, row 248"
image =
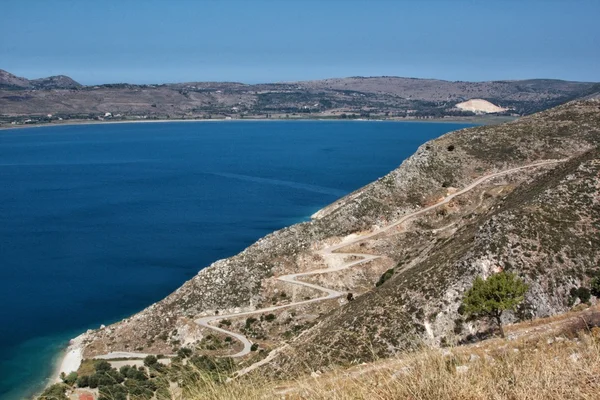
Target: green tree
column 112, row 392
column 55, row 392
column 102, row 366
column 491, row 297
column 150, row 360
column 69, row 379
column 83, row 381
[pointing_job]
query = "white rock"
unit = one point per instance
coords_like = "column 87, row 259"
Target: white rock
column 461, row 369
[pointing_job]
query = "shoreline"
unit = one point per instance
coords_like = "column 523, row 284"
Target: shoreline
column 70, row 358
column 476, row 121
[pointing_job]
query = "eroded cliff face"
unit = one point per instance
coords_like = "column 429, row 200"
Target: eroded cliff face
column 500, row 224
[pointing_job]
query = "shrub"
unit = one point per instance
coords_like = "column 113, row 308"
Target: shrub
column 184, row 352
column 93, row 381
column 102, row 366
column 254, row 347
column 124, row 370
column 386, row 275
column 83, row 381
column 584, row 294
column 70, row 379
column 55, row 392
column 150, row 361
column 595, row 286
column 112, row 392
column 270, row 317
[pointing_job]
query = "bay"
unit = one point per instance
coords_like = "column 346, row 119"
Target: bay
column 99, row 221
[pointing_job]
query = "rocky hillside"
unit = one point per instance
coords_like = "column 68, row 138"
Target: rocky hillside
column 10, row 81
column 546, row 230
column 540, row 222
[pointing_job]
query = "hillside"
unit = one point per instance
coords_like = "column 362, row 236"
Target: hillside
column 30, row 101
column 549, row 358
column 11, row 82
column 521, row 197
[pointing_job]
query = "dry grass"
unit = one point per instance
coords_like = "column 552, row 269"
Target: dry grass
column 546, row 369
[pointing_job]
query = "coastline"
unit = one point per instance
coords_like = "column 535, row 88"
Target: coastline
column 66, row 360
column 475, row 121
column 71, row 360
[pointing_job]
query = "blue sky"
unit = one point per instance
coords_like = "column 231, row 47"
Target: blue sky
column 152, row 41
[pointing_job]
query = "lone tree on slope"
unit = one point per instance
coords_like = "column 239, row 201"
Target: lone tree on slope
column 491, row 297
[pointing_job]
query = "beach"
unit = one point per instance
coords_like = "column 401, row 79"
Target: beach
column 72, row 358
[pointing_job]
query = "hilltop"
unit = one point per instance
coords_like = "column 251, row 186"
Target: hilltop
column 60, row 98
column 381, row 272
column 9, row 81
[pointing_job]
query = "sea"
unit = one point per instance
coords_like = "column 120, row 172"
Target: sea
column 99, row 221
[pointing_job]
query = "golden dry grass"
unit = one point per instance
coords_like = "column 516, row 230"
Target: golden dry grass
column 546, row 369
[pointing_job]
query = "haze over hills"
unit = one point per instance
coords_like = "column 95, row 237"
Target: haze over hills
column 60, row 97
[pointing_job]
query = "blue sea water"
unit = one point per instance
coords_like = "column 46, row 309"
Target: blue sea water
column 99, row 221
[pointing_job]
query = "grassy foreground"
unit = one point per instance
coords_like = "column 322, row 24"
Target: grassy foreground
column 548, row 358
column 550, row 367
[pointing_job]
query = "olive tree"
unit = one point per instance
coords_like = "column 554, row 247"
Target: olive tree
column 491, row 297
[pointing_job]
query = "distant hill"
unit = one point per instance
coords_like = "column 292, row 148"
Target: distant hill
column 10, row 81
column 56, row 82
column 356, row 97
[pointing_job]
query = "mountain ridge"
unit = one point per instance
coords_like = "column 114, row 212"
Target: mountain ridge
column 47, row 100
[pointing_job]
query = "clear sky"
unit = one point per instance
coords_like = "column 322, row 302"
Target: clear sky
column 153, row 41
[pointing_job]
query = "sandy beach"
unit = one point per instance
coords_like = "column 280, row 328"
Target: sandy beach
column 71, row 359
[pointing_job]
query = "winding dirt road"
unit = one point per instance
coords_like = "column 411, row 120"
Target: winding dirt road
column 329, row 255
column 328, row 252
